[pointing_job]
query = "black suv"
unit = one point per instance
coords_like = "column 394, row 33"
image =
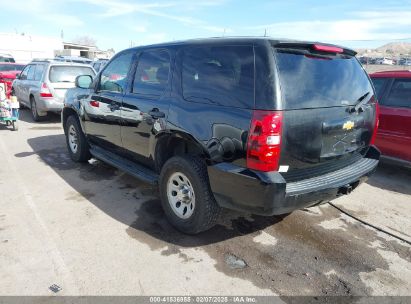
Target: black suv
column 260, row 125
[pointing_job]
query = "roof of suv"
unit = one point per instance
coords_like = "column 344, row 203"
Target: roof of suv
column 57, row 62
column 388, row 74
column 255, row 40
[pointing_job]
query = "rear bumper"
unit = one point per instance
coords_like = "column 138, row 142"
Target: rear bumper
column 49, row 104
column 267, row 193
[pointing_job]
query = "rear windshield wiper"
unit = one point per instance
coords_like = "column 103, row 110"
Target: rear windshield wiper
column 359, row 103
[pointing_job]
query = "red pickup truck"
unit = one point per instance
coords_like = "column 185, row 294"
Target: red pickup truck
column 8, row 72
column 393, row 89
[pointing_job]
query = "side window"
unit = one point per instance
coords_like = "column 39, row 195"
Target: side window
column 379, row 85
column 30, row 74
column 222, row 75
column 39, row 72
column 96, row 66
column 152, row 73
column 400, row 94
column 23, row 75
column 114, row 76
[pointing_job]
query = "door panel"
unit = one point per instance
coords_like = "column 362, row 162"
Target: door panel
column 102, row 107
column 145, row 108
column 394, row 133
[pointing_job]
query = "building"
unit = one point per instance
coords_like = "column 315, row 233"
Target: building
column 25, row 48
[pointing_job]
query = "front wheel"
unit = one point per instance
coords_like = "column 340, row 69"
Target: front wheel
column 186, row 196
column 76, row 141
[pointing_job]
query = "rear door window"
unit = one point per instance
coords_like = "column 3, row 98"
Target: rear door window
column 313, row 82
column 62, row 73
column 400, row 94
column 152, row 73
column 220, row 75
column 30, row 74
column 39, row 72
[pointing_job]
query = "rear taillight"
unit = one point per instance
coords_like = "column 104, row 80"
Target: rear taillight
column 377, row 122
column 45, row 91
column 264, row 141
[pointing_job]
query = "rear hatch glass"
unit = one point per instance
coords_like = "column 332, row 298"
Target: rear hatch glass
column 63, row 77
column 68, row 73
column 309, row 81
column 323, row 130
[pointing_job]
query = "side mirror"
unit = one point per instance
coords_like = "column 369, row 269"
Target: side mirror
column 83, row 81
column 18, row 76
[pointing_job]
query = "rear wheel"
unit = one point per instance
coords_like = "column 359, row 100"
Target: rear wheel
column 34, row 113
column 186, row 196
column 76, row 141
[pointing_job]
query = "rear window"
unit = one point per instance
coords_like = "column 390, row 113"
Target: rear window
column 68, row 73
column 313, row 82
column 222, row 75
column 379, row 85
column 400, row 94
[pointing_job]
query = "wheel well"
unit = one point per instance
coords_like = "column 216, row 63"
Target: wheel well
column 169, row 146
column 66, row 113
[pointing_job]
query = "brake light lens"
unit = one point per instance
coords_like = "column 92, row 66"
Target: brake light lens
column 377, row 123
column 45, row 91
column 327, row 48
column 94, row 103
column 264, row 141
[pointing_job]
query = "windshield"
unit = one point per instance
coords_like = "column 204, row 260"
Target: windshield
column 313, row 82
column 11, row 67
column 68, row 73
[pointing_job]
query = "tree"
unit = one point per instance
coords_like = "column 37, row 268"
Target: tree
column 85, row 40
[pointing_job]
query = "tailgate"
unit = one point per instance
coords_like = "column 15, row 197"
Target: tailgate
column 329, row 111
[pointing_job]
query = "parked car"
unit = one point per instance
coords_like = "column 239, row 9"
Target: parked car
column 75, row 59
column 42, row 84
column 99, row 64
column 384, row 60
column 8, row 72
column 260, row 125
column 6, row 58
column 393, row 89
column 405, row 61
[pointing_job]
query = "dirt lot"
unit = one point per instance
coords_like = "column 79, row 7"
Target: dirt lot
column 93, row 230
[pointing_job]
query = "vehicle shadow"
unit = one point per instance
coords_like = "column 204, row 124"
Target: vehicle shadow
column 25, row 115
column 133, row 202
column 392, row 177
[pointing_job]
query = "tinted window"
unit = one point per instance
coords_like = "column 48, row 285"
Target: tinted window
column 23, row 75
column 62, row 73
column 114, row 76
column 310, row 82
column 30, row 74
column 39, row 72
column 151, row 76
column 378, row 85
column 221, row 75
column 6, row 59
column 96, row 66
column 400, row 94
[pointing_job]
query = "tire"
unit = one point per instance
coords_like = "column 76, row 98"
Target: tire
column 193, row 171
column 33, row 107
column 76, row 141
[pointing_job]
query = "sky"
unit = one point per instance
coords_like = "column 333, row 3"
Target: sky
column 120, row 24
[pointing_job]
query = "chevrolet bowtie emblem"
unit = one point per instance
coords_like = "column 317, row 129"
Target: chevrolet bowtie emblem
column 348, row 125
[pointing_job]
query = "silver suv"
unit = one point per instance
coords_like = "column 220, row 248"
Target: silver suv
column 42, row 84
